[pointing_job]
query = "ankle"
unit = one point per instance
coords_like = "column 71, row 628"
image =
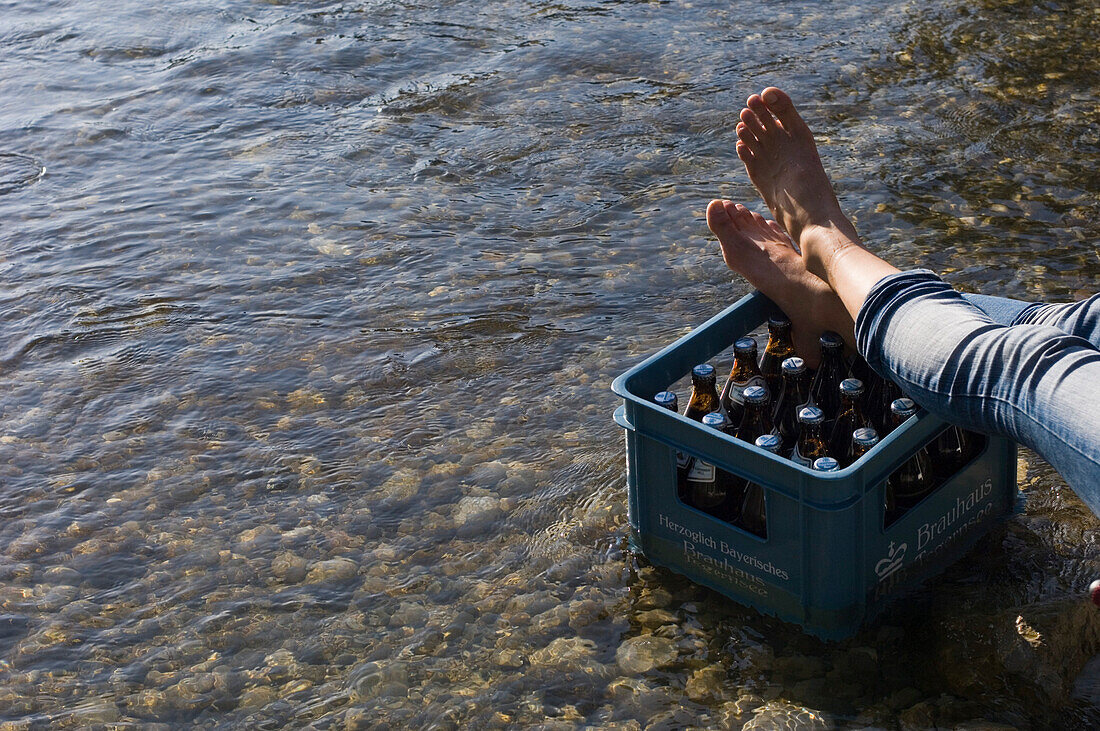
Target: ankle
column 823, row 243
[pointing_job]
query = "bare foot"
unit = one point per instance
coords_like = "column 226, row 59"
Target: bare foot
column 760, row 251
column 781, row 158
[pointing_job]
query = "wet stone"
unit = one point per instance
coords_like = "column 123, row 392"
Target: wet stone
column 408, row 614
column 289, row 567
column 336, row 569
column 641, row 654
column 706, row 684
column 510, row 657
column 379, row 680
column 655, row 618
column 584, row 612
column 918, row 717
column 653, row 598
column 800, row 667
column 17, row 572
column 903, row 698
column 63, row 575
column 551, row 619
column 258, row 697
column 781, row 715
column 402, row 485
column 573, row 651
column 87, row 715
column 474, row 512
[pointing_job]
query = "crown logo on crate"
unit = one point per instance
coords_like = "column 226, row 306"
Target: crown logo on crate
column 892, row 562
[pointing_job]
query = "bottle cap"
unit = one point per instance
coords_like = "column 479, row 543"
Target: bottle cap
column 703, row 371
column 794, row 366
column 755, row 395
column 865, row 437
column 770, row 442
column 830, row 340
column 826, row 464
column 744, row 346
column 716, row 420
column 903, row 407
column 778, row 321
column 811, row 415
column 667, row 400
column 852, row 387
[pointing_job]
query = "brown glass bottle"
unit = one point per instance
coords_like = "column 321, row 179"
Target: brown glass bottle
column 887, row 395
column 778, row 349
column 745, row 373
column 668, row 400
column 914, row 480
column 863, row 440
column 952, row 449
column 849, row 419
column 704, row 396
column 811, row 443
column 872, row 390
column 757, row 418
column 825, row 390
column 794, row 395
column 754, row 509
column 711, row 489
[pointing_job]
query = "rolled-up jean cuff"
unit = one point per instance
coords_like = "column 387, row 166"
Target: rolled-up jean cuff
column 884, row 297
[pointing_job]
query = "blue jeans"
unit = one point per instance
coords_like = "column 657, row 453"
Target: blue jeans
column 1027, row 371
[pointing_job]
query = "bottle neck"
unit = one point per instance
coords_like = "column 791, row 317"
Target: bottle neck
column 809, row 432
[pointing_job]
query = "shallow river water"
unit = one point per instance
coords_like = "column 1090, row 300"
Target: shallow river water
column 309, row 316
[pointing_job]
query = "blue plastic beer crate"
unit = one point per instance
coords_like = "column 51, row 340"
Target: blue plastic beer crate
column 828, row 563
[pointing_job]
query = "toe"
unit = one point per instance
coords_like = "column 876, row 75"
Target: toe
column 738, row 213
column 744, row 152
column 718, row 219
column 763, row 115
column 745, row 135
column 781, row 106
column 750, row 120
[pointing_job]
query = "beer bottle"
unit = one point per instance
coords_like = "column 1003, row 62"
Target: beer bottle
column 889, row 393
column 872, row 390
column 914, row 480
column 862, row 441
column 757, row 418
column 745, row 373
column 754, row 517
column 848, row 420
column 951, row 450
column 704, row 397
column 710, row 489
column 794, row 394
column 825, row 391
column 826, row 464
column 778, row 349
column 668, row 400
column 811, row 444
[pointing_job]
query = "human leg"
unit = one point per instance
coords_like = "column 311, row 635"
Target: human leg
column 1076, row 318
column 1032, row 382
column 1000, row 310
